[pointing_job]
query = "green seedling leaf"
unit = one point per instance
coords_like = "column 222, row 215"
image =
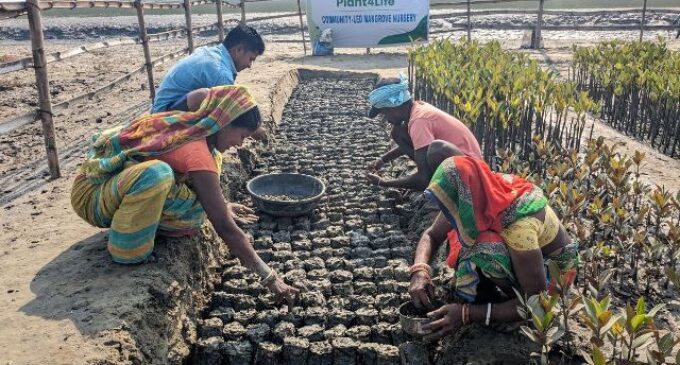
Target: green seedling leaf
column 637, row 320
column 604, row 304
column 612, row 321
column 640, row 307
column 529, row 333
column 643, row 341
column 604, row 317
column 538, row 323
column 554, row 334
column 654, row 310
column 590, row 309
column 666, row 343
column 598, row 356
column 547, row 320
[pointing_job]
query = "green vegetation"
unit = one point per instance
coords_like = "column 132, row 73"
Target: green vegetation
column 504, row 97
column 638, row 85
column 629, row 235
column 629, row 232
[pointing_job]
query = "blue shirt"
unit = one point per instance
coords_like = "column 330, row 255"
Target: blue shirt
column 206, row 67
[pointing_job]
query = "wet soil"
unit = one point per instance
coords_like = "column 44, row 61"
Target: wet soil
column 350, row 256
column 331, row 253
column 411, row 311
column 281, row 198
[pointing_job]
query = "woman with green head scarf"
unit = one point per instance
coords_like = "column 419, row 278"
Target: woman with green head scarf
column 502, row 235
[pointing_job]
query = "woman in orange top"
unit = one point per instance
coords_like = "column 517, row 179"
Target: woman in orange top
column 128, row 182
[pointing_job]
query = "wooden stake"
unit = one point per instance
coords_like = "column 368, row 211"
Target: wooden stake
column 187, row 15
column 220, row 20
column 302, row 27
column 539, row 23
column 42, row 82
column 469, row 23
column 145, row 45
column 642, row 22
column 243, row 11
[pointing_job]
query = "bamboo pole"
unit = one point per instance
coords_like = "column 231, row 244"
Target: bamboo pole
column 187, row 15
column 243, row 11
column 302, row 27
column 469, row 23
column 42, row 82
column 539, row 23
column 220, row 20
column 145, row 46
column 642, row 21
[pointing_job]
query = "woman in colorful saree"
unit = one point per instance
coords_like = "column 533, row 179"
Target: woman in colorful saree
column 507, row 232
column 160, row 175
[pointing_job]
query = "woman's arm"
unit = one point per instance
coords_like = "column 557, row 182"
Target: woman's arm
column 431, row 238
column 207, row 187
column 530, row 274
column 421, row 288
column 392, row 154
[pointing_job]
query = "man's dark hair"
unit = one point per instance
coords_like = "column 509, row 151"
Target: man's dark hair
column 250, row 120
column 246, row 36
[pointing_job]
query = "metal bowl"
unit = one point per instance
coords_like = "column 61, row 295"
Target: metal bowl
column 305, row 192
column 412, row 319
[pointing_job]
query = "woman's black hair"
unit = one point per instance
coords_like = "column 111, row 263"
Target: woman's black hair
column 250, row 120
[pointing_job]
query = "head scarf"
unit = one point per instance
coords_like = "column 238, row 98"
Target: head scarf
column 474, row 199
column 154, row 134
column 390, row 96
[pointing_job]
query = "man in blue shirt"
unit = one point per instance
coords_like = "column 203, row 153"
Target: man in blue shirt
column 208, row 67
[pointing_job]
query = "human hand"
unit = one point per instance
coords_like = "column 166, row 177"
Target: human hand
column 260, row 134
column 376, row 165
column 421, row 289
column 284, row 293
column 242, row 214
column 444, row 321
column 374, row 179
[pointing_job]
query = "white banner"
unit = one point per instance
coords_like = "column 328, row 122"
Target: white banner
column 369, row 23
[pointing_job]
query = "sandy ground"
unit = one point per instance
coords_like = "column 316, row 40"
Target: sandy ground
column 60, row 297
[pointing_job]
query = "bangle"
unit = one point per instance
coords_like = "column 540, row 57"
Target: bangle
column 464, row 314
column 269, row 279
column 423, row 270
column 488, row 314
column 420, row 267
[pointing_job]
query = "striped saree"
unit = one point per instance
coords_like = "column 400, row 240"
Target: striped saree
column 122, row 188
